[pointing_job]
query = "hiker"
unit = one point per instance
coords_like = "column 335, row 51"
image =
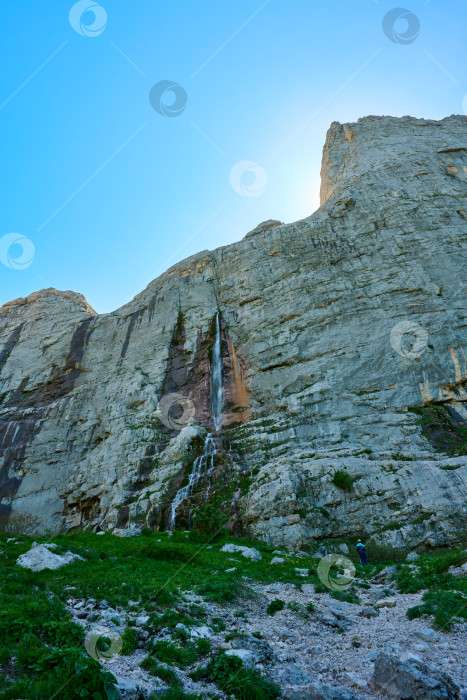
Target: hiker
column 362, row 553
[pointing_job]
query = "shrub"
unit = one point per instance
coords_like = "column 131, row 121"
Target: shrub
column 231, row 676
column 220, row 591
column 66, row 672
column 171, row 653
column 21, row 524
column 130, row 641
column 218, row 624
column 203, row 646
column 444, row 605
column 342, row 480
column 165, row 673
column 346, row 596
column 274, row 606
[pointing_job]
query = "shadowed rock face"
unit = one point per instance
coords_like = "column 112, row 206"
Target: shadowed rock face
column 333, row 329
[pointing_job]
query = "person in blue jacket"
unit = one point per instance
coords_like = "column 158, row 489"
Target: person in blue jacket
column 362, row 553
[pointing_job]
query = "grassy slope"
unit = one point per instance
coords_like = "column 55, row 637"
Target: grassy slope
column 41, row 649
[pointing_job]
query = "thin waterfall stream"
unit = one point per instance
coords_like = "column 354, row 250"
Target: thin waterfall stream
column 216, row 381
column 203, row 466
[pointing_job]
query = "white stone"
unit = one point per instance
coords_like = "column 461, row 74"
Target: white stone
column 412, row 556
column 277, row 560
column 39, row 557
column 385, row 603
column 248, row 657
column 126, row 532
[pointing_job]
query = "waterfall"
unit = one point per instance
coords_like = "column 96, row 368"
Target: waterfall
column 203, row 466
column 216, row 380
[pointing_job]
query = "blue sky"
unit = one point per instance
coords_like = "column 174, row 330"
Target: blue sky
column 104, row 192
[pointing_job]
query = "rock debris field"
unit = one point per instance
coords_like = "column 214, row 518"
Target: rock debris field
column 329, row 654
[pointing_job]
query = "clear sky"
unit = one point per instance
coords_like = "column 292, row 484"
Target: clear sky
column 106, row 180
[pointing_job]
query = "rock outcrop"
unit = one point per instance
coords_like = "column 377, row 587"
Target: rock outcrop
column 342, row 349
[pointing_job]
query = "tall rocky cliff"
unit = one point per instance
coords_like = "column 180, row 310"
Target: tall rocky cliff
column 343, row 368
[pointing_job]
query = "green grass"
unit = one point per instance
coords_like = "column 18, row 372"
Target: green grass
column 165, row 673
column 48, row 648
column 446, row 596
column 445, row 606
column 431, row 572
column 142, row 569
column 274, row 606
column 130, row 641
column 182, row 656
column 231, row 676
column 348, row 596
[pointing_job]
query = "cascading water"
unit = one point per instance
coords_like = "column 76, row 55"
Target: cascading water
column 204, row 465
column 216, row 381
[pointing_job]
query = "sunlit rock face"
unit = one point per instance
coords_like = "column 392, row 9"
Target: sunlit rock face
column 342, row 340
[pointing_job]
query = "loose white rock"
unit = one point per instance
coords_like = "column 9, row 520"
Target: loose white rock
column 39, row 557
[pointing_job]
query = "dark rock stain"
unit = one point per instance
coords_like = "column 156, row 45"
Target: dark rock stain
column 133, row 318
column 10, row 344
column 20, row 425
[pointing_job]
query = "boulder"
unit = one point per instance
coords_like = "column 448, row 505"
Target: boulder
column 134, row 689
column 317, row 691
column 412, row 680
column 343, row 548
column 260, row 647
column 291, row 674
column 277, row 560
column 126, row 532
column 246, row 655
column 203, row 632
column 40, row 557
column 412, row 556
column 386, row 603
column 427, row 634
column 247, row 552
column 458, row 571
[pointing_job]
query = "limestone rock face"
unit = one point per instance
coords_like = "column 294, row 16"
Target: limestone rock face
column 342, row 340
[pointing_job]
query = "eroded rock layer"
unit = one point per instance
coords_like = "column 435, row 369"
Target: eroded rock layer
column 344, row 370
